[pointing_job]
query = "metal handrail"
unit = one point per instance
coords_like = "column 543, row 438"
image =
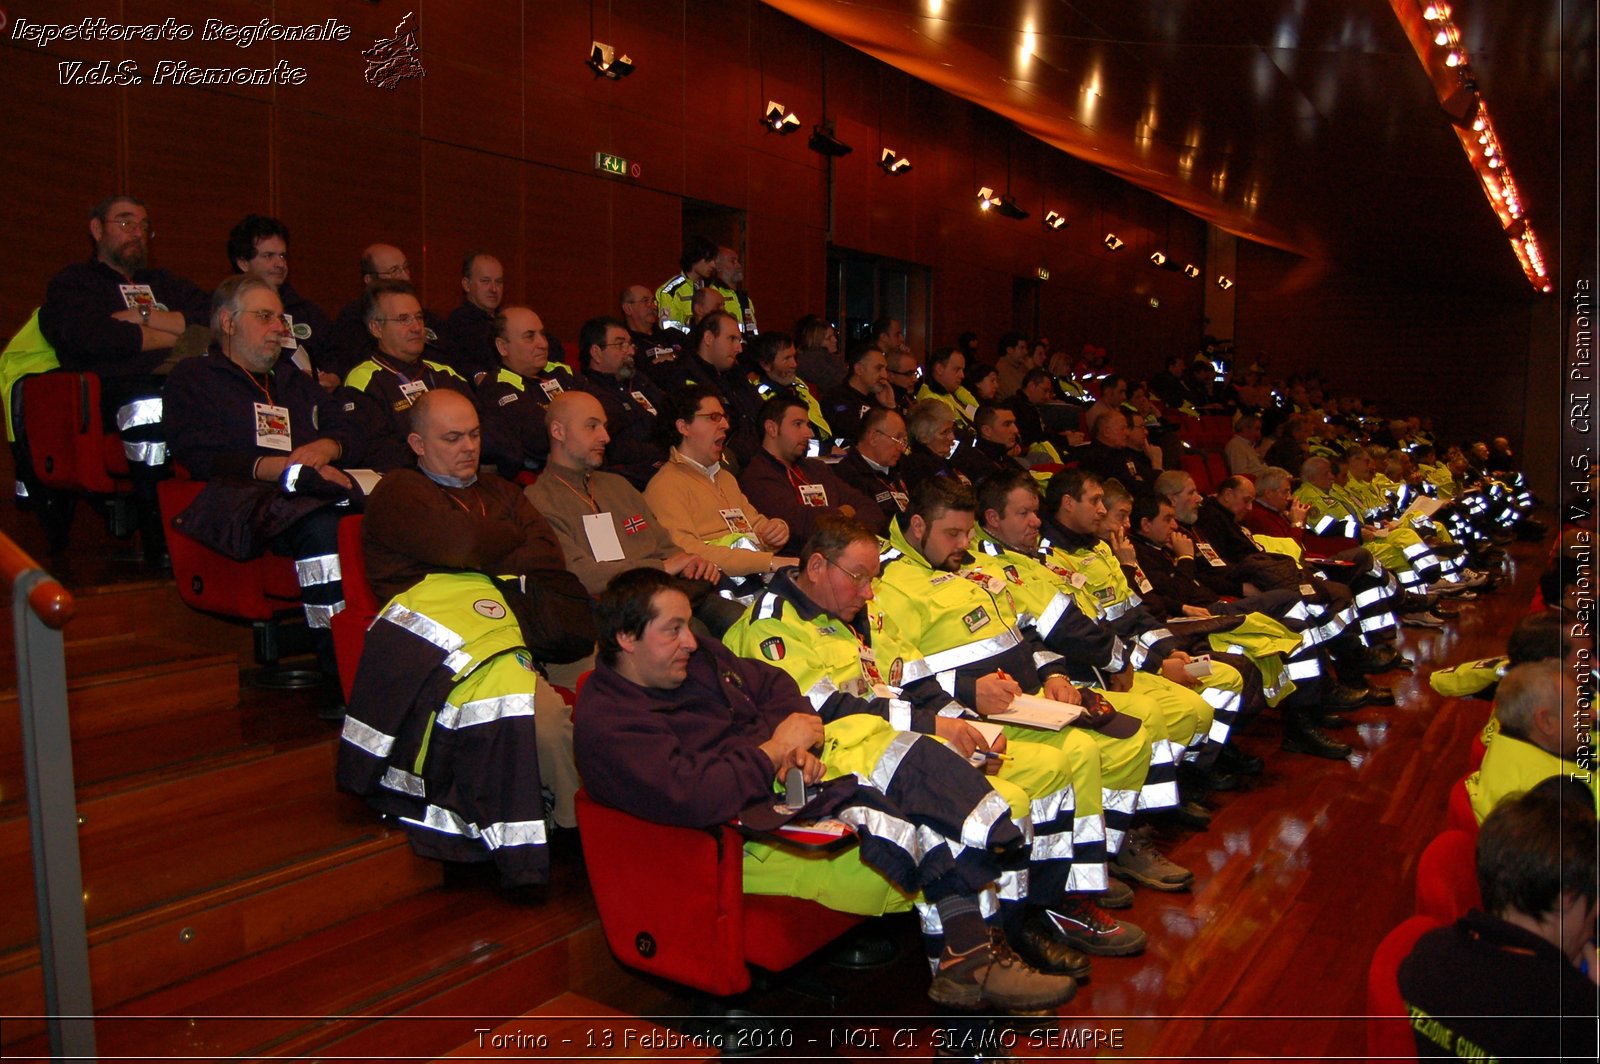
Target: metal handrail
column 40, row 607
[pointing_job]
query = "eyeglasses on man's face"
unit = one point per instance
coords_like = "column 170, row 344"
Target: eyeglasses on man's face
column 132, row 225
column 402, row 320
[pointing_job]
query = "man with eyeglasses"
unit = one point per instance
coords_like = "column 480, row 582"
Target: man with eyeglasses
column 654, row 347
column 869, row 466
column 351, row 339
column 631, row 401
column 120, row 318
column 865, row 389
column 395, row 375
column 243, row 413
column 902, row 373
column 711, row 358
column 260, row 245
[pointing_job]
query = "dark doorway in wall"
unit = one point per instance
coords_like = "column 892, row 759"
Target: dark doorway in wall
column 1025, row 292
column 863, row 288
column 723, row 226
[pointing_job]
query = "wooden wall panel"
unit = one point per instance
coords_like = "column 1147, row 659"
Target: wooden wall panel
column 472, row 95
column 336, row 73
column 473, row 200
column 1461, row 359
column 569, row 242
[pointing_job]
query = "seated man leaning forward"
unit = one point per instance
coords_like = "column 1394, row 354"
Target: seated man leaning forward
column 683, row 732
column 442, row 731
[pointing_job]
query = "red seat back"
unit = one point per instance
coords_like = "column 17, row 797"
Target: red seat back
column 1388, row 1028
column 1447, row 876
column 705, row 932
column 361, row 606
column 1195, row 466
column 1217, row 466
column 70, row 448
column 1459, row 814
column 255, row 590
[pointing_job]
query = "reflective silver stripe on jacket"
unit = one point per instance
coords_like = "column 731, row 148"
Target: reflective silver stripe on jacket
column 821, row 691
column 485, row 711
column 891, row 829
column 139, row 412
column 366, row 737
column 1060, row 603
column 1115, row 610
column 1153, row 636
column 398, row 779
column 498, row 836
column 322, row 569
column 971, row 653
column 900, row 714
column 914, row 670
column 1041, row 658
column 1221, row 701
column 766, row 606
column 980, row 822
column 427, row 628
column 1307, row 669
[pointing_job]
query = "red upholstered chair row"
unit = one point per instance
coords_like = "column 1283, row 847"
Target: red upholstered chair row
column 361, row 606
column 1447, row 876
column 71, row 449
column 706, row 932
column 1388, row 1028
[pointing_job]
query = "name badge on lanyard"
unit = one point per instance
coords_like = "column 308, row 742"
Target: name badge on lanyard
column 1141, row 581
column 1209, row 554
column 639, row 398
column 813, row 495
column 412, row 390
column 869, row 665
column 272, row 427
column 737, row 521
column 551, row 388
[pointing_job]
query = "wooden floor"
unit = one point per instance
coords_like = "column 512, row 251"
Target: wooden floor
column 1299, row 876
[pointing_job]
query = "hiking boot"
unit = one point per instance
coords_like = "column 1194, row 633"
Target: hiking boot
column 1240, row 763
column 1117, row 895
column 1085, row 925
column 1302, row 738
column 992, row 975
column 1141, row 862
column 1041, row 943
column 1379, row 696
column 1344, row 698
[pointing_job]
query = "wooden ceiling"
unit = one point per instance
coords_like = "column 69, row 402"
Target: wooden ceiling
column 1308, row 125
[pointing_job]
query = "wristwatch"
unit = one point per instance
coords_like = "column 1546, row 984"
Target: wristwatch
column 144, row 312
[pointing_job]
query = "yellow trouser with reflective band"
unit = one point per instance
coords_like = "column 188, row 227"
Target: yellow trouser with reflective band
column 1267, row 642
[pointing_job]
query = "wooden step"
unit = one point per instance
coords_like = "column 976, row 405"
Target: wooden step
column 388, row 983
column 177, row 682
column 574, row 1025
column 187, row 874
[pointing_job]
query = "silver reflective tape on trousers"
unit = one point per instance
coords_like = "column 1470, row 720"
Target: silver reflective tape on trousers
column 398, row 779
column 321, row 616
column 899, row 714
column 1137, row 658
column 1153, row 636
column 1055, row 846
column 22, row 490
column 971, row 653
column 485, row 711
column 1087, row 877
column 1118, row 655
column 366, row 737
column 888, row 764
column 139, row 412
column 988, row 906
column 881, row 825
column 1373, row 624
column 1115, row 610
column 496, row 836
column 1308, row 669
column 930, row 839
column 149, row 452
column 1158, row 795
column 980, row 822
column 322, row 569
column 1298, row 612
column 1012, row 885
column 1369, row 596
column 1221, row 702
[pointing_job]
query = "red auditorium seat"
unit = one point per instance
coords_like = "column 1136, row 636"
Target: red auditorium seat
column 1459, row 814
column 1195, row 466
column 361, row 606
column 1447, row 876
column 70, row 448
column 706, row 932
column 261, row 591
column 1217, row 466
column 1388, row 1029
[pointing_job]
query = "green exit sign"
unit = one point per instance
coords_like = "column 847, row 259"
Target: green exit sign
column 615, row 164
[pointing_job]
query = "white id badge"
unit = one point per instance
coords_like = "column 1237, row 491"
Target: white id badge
column 412, row 390
column 289, row 342
column 1209, row 554
column 272, row 427
column 737, row 521
column 602, row 535
column 639, row 398
column 813, row 495
column 869, row 665
column 1141, row 581
column 551, row 388
column 137, row 295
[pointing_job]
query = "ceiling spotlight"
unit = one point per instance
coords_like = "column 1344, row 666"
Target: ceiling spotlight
column 1008, row 206
column 779, row 119
column 986, row 198
column 1159, row 258
column 607, row 63
column 1112, row 242
column 823, row 142
column 1190, row 270
column 1455, row 58
column 1054, row 220
column 1442, row 38
column 1436, row 12
column 1223, row 282
column 1494, row 162
column 892, row 163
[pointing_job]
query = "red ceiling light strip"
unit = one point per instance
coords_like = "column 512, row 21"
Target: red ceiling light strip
column 1479, row 140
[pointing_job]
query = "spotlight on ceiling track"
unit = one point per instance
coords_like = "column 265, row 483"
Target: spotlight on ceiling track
column 1054, row 220
column 779, row 119
column 1113, row 242
column 823, row 142
column 1223, row 283
column 607, row 63
column 892, row 163
column 1159, row 258
column 1191, row 271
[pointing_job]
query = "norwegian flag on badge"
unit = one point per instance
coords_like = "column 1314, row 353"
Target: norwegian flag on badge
column 634, row 524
